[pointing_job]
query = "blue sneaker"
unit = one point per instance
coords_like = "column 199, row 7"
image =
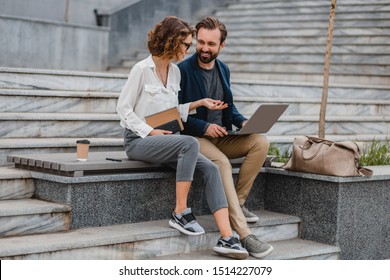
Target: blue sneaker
column 186, row 223
column 231, row 247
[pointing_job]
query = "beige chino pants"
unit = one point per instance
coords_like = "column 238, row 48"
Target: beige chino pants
column 254, row 148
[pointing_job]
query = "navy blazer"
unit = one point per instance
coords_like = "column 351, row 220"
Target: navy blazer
column 193, row 89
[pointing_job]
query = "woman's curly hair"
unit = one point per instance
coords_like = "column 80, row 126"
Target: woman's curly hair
column 167, row 36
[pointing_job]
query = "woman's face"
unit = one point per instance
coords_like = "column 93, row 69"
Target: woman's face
column 185, row 45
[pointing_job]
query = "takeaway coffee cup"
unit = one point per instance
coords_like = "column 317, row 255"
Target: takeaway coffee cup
column 82, row 149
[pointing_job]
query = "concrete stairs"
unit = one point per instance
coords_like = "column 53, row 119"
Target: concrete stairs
column 20, row 214
column 286, row 40
column 46, row 111
column 354, row 112
column 35, row 229
column 276, row 50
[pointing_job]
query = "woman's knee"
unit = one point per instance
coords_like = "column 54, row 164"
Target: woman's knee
column 190, row 143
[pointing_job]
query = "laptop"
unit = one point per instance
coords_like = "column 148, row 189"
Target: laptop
column 262, row 120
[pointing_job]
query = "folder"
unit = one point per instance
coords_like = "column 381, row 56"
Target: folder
column 168, row 120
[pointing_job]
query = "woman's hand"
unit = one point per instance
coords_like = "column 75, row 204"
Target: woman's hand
column 159, row 132
column 214, row 104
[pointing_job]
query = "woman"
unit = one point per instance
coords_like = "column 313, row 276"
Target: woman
column 152, row 87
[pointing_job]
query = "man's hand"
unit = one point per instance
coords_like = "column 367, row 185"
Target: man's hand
column 159, row 132
column 215, row 131
column 214, row 104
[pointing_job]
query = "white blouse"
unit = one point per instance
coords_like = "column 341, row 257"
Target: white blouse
column 144, row 94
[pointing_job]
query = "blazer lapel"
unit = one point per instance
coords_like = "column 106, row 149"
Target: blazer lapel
column 198, row 76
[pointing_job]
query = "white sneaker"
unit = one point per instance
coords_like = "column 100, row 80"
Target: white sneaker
column 186, row 223
column 231, row 247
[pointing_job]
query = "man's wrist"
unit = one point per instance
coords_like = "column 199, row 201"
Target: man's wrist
column 205, row 128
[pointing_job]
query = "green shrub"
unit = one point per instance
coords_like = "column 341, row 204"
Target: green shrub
column 282, row 156
column 376, row 153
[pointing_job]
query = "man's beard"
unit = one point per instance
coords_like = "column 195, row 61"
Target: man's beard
column 206, row 60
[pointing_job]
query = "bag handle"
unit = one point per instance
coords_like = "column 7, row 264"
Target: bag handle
column 311, row 140
column 320, row 140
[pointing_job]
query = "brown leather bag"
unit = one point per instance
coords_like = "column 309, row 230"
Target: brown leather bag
column 321, row 156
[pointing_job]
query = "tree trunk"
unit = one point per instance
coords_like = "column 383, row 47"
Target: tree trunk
column 66, row 16
column 321, row 130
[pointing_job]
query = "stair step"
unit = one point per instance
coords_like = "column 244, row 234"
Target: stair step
column 15, row 184
column 50, row 101
column 23, row 78
column 306, row 77
column 317, row 68
column 378, row 63
column 247, row 106
column 311, row 23
column 247, row 49
column 294, row 39
column 347, row 31
column 31, row 216
column 14, row 125
column 292, row 249
column 136, row 241
column 340, row 16
column 84, row 125
column 299, row 7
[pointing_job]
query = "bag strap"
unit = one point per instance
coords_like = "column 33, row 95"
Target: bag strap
column 365, row 171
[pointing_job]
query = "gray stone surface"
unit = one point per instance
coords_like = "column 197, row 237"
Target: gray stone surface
column 30, row 216
column 125, row 198
column 295, row 249
column 139, row 240
column 350, row 212
column 55, row 45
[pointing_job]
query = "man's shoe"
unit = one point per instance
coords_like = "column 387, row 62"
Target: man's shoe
column 186, row 223
column 249, row 216
column 255, row 247
column 231, row 247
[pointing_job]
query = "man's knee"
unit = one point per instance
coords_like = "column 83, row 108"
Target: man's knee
column 260, row 141
column 223, row 163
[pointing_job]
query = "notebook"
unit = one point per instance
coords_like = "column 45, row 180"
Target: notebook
column 262, row 120
column 167, row 120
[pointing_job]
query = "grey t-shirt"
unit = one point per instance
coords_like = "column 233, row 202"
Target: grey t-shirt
column 214, row 90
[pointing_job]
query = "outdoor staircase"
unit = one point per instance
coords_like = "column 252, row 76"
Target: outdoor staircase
column 286, row 40
column 275, row 51
column 35, row 229
column 43, row 111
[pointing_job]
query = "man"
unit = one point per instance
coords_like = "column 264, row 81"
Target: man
column 203, row 75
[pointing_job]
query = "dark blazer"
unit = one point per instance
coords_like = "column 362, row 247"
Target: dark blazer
column 193, row 89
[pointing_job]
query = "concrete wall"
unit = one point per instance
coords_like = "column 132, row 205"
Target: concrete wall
column 46, row 44
column 80, row 11
column 33, row 33
column 129, row 26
